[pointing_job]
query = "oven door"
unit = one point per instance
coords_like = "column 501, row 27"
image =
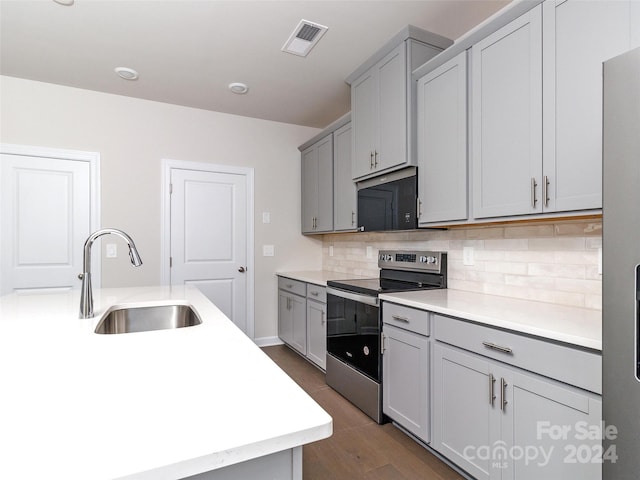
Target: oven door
column 353, row 330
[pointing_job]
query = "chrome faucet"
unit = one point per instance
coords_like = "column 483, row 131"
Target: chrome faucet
column 86, row 294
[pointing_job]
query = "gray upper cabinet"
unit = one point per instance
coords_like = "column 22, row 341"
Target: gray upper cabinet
column 383, row 103
column 578, row 37
column 344, row 189
column 442, row 142
column 507, row 119
column 379, row 115
column 317, row 187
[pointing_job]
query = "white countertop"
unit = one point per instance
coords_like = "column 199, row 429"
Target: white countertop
column 572, row 325
column 318, row 277
column 158, row 405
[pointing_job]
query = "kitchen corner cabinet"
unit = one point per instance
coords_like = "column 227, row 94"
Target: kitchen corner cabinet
column 317, row 187
column 405, row 368
column 383, row 104
column 345, row 192
column 487, row 410
column 442, row 143
column 292, row 313
column 537, row 108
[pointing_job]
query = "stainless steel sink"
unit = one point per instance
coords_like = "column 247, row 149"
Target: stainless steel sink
column 147, row 318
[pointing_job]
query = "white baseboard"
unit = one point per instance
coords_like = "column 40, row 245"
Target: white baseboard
column 267, row 341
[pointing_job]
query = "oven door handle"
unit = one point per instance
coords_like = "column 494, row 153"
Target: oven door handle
column 368, row 299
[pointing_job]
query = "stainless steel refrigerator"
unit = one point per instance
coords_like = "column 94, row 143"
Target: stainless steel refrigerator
column 621, row 266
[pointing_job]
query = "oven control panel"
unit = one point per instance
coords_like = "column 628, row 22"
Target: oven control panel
column 411, row 260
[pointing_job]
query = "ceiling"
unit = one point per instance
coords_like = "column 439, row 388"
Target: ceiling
column 187, row 52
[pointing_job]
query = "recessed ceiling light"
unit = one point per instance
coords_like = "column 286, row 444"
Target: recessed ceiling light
column 238, row 88
column 126, row 73
column 66, row 3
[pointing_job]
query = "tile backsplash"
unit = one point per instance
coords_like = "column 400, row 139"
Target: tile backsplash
column 555, row 262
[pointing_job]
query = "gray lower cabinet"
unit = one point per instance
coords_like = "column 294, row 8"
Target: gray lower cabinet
column 292, row 313
column 302, row 318
column 406, row 368
column 317, row 187
column 317, row 333
column 497, row 421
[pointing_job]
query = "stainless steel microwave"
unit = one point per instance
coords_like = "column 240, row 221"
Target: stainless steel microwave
column 388, row 202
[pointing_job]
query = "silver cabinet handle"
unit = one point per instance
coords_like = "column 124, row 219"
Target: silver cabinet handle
column 400, row 319
column 382, row 344
column 375, row 161
column 322, row 319
column 545, row 191
column 419, row 207
column 492, row 394
column 353, row 218
column 500, row 348
column 315, row 294
column 370, row 160
column 534, row 184
column 289, row 285
column 503, row 394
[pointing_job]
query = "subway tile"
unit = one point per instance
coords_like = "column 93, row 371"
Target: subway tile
column 507, row 244
column 516, row 268
column 588, row 287
column 556, row 270
column 485, row 233
column 557, row 243
column 529, row 231
column 587, row 228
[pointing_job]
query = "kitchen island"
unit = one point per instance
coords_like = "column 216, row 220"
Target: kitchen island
column 163, row 404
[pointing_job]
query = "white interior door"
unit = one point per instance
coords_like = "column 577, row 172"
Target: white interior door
column 208, row 237
column 45, row 207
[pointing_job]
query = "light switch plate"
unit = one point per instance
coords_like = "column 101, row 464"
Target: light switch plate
column 268, row 251
column 331, row 250
column 369, row 251
column 266, row 217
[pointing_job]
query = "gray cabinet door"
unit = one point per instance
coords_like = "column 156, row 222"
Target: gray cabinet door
column 309, row 188
column 578, row 37
column 391, row 132
column 552, row 422
column 442, row 142
column 364, row 123
column 317, row 187
column 406, row 380
column 299, row 322
column 324, row 215
column 507, row 119
column 465, row 415
column 344, row 189
column 317, row 333
column 285, row 317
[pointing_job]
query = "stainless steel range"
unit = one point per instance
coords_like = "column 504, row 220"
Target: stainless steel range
column 354, row 324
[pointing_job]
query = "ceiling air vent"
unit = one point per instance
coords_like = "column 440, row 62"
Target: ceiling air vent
column 304, row 38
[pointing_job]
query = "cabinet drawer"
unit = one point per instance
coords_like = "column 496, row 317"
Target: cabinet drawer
column 561, row 362
column 316, row 292
column 293, row 286
column 407, row 318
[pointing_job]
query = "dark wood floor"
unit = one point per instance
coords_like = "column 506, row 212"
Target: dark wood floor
column 359, row 448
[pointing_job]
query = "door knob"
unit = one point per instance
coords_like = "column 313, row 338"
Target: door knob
column 241, row 269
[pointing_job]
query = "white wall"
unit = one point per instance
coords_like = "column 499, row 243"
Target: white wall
column 133, row 136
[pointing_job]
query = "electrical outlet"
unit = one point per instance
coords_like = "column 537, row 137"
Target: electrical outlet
column 468, row 256
column 331, row 250
column 369, row 251
column 600, row 261
column 112, row 250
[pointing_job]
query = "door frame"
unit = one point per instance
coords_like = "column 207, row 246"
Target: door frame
column 165, row 224
column 93, row 159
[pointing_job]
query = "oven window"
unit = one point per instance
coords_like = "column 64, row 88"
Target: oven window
column 353, row 334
